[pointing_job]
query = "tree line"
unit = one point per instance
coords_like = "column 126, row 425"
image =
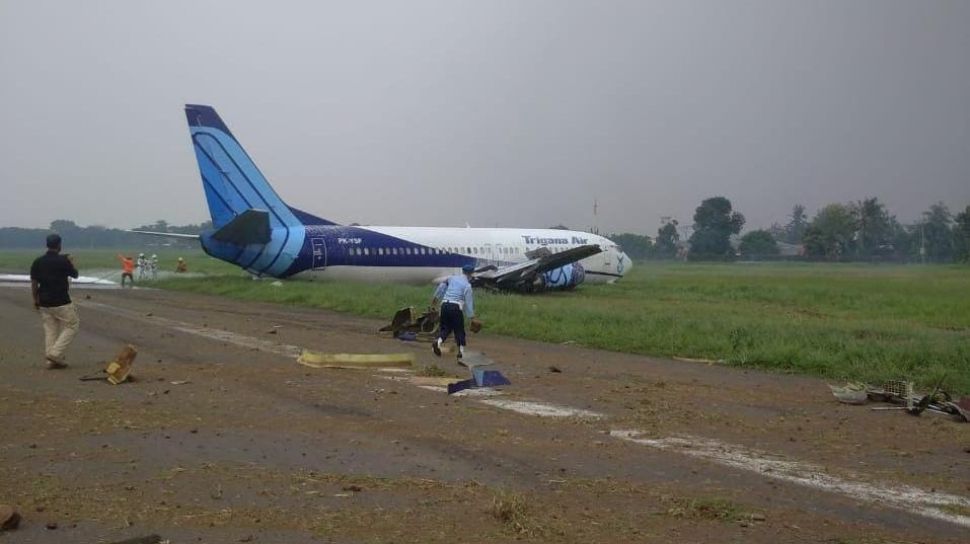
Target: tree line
column 95, row 236
column 862, row 230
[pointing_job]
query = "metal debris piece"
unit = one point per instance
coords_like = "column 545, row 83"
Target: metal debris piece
column 851, row 393
column 355, row 360
column 900, row 392
column 483, row 374
column 408, row 321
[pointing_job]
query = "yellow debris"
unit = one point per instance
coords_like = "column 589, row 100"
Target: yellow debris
column 355, row 360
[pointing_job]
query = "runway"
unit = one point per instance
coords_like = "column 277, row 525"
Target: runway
column 223, row 437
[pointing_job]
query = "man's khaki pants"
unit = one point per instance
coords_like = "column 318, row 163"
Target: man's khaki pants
column 60, row 326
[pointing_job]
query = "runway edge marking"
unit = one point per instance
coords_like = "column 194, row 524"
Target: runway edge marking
column 901, row 497
column 241, row 340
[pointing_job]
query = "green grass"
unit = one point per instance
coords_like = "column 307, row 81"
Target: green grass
column 838, row 321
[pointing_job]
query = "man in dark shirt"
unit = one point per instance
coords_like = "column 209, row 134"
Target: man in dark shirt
column 49, row 284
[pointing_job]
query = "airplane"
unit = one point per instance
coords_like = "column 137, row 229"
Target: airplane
column 253, row 228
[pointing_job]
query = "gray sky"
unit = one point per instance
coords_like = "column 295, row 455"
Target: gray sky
column 508, row 113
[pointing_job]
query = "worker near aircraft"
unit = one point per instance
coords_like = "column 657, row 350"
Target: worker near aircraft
column 127, row 270
column 455, row 295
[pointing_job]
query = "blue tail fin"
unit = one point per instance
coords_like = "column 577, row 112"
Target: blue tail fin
column 233, row 184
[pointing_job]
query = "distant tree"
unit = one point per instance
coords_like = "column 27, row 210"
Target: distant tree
column 961, row 236
column 935, row 234
column 665, row 246
column 94, row 236
column 714, row 223
column 831, row 233
column 758, row 243
column 637, row 247
column 559, row 227
column 795, row 228
column 63, row 226
column 874, row 235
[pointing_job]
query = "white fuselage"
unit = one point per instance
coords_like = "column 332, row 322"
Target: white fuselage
column 498, row 246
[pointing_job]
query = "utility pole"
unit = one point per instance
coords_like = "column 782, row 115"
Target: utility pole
column 922, row 244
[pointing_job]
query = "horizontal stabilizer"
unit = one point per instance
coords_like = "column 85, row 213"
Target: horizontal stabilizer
column 166, row 234
column 249, row 227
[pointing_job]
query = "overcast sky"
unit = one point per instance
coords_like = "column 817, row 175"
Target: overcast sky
column 507, row 113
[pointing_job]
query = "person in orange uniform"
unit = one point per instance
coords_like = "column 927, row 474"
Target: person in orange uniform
column 181, row 266
column 127, row 270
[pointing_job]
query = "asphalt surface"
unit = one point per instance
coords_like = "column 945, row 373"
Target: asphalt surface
column 223, row 437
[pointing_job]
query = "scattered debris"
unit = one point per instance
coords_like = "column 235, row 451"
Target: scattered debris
column 407, row 322
column 851, row 393
column 51, row 526
column 353, row 487
column 179, row 382
column 555, row 369
column 480, row 377
column 275, row 329
column 9, row 518
column 901, row 393
column 355, row 360
column 118, row 370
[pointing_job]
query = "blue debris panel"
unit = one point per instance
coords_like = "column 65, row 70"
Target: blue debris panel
column 483, row 374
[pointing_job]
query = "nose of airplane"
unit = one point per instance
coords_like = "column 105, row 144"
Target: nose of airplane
column 624, row 264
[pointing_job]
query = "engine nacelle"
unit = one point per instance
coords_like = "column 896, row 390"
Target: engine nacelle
column 560, row 279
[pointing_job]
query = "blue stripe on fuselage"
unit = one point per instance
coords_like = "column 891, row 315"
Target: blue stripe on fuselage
column 339, row 240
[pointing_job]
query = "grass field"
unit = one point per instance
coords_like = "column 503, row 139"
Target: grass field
column 860, row 322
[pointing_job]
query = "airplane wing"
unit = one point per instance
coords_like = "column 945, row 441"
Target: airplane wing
column 521, row 276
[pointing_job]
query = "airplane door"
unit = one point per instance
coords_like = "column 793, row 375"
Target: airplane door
column 319, row 253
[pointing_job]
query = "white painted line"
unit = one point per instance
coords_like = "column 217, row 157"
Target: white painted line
column 241, row 340
column 541, row 409
column 935, row 505
column 286, row 350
